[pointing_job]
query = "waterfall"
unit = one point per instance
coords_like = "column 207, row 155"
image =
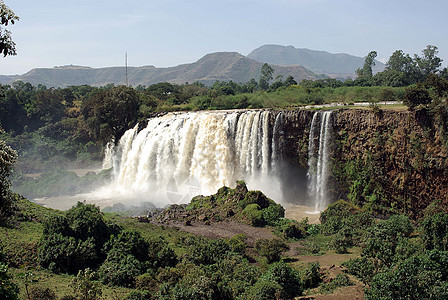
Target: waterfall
column 180, row 155
column 319, row 137
column 109, row 153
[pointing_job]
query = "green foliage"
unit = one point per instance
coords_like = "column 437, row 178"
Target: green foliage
column 336, row 215
column 311, row 275
column 85, row 287
column 75, row 241
column 7, row 46
column 418, row 277
column 41, row 293
column 264, row 290
column 120, row 269
column 8, row 289
column 339, row 281
column 255, row 197
column 237, row 243
column 254, row 214
column 61, row 253
column 286, row 277
column 271, row 248
column 435, row 231
column 7, row 159
column 415, row 96
column 206, row 252
column 129, row 242
column 273, row 213
column 138, row 295
column 361, row 267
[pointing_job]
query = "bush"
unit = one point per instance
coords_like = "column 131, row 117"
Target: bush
column 138, row 295
column 120, row 269
column 337, row 215
column 204, row 252
column 255, row 197
column 273, row 213
column 361, row 267
column 311, row 275
column 271, row 248
column 254, row 214
column 416, row 95
column 286, row 277
column 41, row 293
column 85, row 287
column 129, row 242
column 435, row 231
column 264, row 290
column 66, row 254
column 237, row 243
column 339, row 281
column 342, row 240
column 8, row 289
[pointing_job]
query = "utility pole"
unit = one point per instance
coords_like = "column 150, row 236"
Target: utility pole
column 126, row 63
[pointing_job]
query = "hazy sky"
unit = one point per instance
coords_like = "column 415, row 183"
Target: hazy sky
column 163, row 33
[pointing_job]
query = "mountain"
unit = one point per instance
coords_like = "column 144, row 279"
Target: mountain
column 222, row 66
column 319, row 62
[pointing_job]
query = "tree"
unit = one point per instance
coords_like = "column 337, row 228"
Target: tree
column 7, row 159
column 110, row 113
column 429, row 63
column 416, row 95
column 265, row 76
column 7, row 46
column 369, row 62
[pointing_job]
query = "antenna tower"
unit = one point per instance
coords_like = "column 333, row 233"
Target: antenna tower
column 126, row 63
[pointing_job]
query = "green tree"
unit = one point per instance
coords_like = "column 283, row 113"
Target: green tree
column 416, row 95
column 7, row 159
column 111, row 112
column 265, row 76
column 7, row 46
column 429, row 63
column 369, row 62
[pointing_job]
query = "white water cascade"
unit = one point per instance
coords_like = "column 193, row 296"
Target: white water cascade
column 180, row 155
column 320, row 133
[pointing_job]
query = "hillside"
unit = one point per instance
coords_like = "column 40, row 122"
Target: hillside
column 222, row 66
column 320, row 62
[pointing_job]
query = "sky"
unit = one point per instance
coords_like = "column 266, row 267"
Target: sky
column 164, row 33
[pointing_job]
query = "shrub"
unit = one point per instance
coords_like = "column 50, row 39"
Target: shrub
column 311, row 275
column 416, row 95
column 435, row 231
column 41, row 293
column 207, row 252
column 8, row 289
column 271, row 248
column 129, row 242
column 255, row 197
column 66, row 254
column 273, row 213
column 146, row 282
column 264, row 290
column 85, row 287
column 339, row 281
column 120, row 269
column 342, row 240
column 86, row 221
column 361, row 267
column 337, row 215
column 286, row 277
column 254, row 214
column 138, row 295
column 237, row 243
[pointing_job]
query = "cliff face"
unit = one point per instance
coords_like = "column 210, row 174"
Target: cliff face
column 386, row 160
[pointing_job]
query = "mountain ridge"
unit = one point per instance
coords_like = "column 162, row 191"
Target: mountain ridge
column 317, row 61
column 221, row 66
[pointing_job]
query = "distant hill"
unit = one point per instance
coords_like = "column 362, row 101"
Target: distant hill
column 319, row 62
column 222, row 66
